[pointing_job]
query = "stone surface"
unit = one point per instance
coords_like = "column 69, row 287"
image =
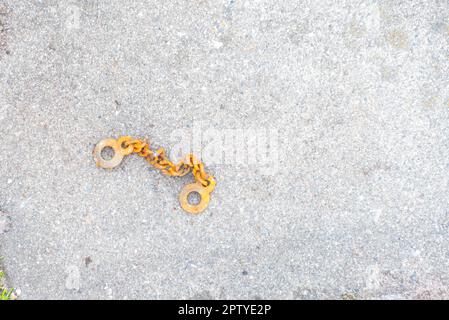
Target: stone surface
column 355, row 201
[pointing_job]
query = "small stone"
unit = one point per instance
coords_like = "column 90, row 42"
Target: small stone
column 5, row 222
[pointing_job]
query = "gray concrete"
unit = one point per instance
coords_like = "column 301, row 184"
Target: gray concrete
column 356, row 90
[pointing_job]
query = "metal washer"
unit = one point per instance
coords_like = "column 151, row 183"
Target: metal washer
column 184, row 201
column 116, row 159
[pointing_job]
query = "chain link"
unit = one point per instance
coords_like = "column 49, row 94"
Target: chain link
column 160, row 161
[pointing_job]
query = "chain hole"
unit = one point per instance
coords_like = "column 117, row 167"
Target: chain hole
column 194, row 198
column 107, row 153
column 124, row 145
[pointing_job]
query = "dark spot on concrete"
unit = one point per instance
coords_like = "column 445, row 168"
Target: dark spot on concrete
column 87, row 261
column 5, row 222
column 245, row 273
column 228, row 10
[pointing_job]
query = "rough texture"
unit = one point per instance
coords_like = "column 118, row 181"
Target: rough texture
column 356, row 90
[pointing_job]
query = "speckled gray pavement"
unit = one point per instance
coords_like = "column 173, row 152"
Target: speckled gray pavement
column 355, row 92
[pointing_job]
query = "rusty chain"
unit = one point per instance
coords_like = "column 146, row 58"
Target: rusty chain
column 126, row 145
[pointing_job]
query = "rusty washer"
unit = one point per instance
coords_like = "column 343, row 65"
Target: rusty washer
column 116, row 159
column 184, row 198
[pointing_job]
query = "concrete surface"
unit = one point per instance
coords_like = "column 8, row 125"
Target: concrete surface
column 355, row 93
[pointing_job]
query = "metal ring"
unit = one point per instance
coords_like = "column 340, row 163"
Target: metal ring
column 184, row 198
column 211, row 186
column 116, row 159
